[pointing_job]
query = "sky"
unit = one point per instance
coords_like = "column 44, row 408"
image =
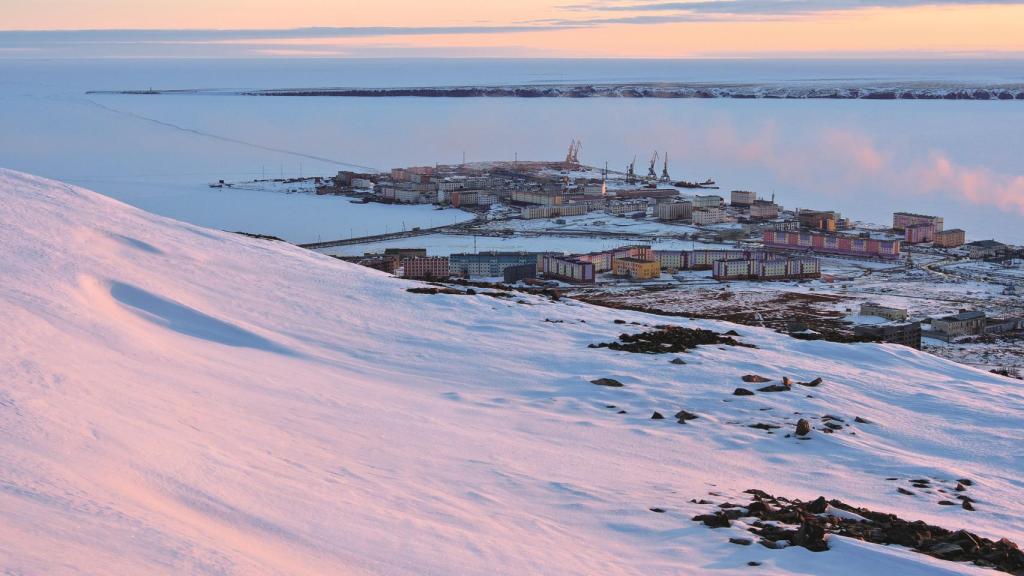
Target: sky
column 511, row 28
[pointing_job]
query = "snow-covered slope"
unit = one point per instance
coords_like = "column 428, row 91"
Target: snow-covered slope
column 180, row 400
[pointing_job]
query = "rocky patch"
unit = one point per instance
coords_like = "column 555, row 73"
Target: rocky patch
column 669, row 339
column 780, row 522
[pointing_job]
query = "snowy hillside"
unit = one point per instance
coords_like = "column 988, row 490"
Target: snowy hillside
column 176, row 400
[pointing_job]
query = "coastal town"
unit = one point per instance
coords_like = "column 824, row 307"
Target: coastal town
column 686, row 248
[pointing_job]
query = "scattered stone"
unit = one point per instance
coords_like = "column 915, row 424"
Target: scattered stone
column 657, row 416
column 774, row 388
column 905, row 491
column 920, row 480
column 727, row 505
column 833, row 426
column 893, row 478
column 812, row 383
column 657, row 510
column 610, row 382
column 741, row 541
column 786, row 381
column 742, row 392
column 944, row 549
column 755, row 379
column 946, row 503
column 828, row 417
column 763, row 426
column 860, row 420
column 803, row 427
column 683, row 416
column 621, row 412
column 732, row 333
column 619, row 321
column 677, row 361
column 753, row 563
column 610, row 406
column 965, row 481
column 716, row 520
column 966, row 504
column 960, row 487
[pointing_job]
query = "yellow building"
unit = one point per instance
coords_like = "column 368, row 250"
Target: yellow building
column 636, row 268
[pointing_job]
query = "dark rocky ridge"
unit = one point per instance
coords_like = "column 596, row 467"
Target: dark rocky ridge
column 802, row 91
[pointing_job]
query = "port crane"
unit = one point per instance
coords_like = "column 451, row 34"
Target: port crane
column 651, row 173
column 664, row 170
column 572, row 157
column 631, row 171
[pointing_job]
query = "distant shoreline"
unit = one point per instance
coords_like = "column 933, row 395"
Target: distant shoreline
column 794, row 91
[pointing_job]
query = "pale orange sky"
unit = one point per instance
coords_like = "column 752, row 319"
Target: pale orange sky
column 672, row 31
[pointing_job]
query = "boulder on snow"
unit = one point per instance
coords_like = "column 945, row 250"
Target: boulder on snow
column 610, row 382
column 803, row 427
column 774, row 388
column 755, row 379
column 657, row 416
column 683, row 416
column 742, row 392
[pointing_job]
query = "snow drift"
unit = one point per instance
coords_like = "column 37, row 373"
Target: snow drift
column 180, row 400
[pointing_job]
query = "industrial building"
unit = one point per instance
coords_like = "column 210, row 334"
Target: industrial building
column 488, row 264
column 619, row 208
column 636, row 268
column 559, row 211
column 901, row 220
column 708, row 216
column 949, row 238
column 568, row 268
column 771, row 269
column 602, row 261
column 764, row 210
column 966, row 323
column 985, row 249
column 824, row 220
column 907, row 334
column 742, row 198
column 674, row 211
column 708, row 201
column 426, row 267
column 887, row 312
column 832, row 244
column 919, row 233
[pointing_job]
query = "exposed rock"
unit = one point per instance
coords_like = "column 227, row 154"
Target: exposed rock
column 818, row 506
column 786, row 381
column 946, row 503
column 833, row 426
column 763, row 426
column 965, row 481
column 755, row 379
column 657, row 416
column 677, row 361
column 812, row 383
column 860, row 420
column 776, row 517
column 732, row 333
column 968, row 506
column 904, row 491
column 774, row 388
column 828, row 417
column 803, row 427
column 683, row 416
column 619, row 321
column 753, row 563
column 742, row 392
column 610, row 382
column 716, row 520
column 960, row 487
column 621, row 412
column 741, row 541
column 657, row 510
column 669, row 339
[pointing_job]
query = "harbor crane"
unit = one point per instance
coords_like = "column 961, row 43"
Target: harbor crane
column 572, row 157
column 664, row 170
column 651, row 173
column 631, row 171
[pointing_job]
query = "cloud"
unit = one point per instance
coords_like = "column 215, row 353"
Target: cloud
column 718, row 10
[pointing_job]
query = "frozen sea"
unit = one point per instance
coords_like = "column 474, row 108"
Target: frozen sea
column 959, row 159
